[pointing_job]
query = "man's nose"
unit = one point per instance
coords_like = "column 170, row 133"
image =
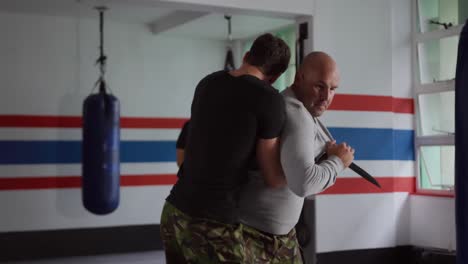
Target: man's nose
column 325, row 95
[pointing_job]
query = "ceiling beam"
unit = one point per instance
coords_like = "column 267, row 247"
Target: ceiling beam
column 174, row 19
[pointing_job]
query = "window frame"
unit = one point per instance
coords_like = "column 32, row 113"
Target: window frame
column 417, row 38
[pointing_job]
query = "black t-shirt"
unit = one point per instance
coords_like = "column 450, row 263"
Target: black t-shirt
column 228, row 115
column 180, row 144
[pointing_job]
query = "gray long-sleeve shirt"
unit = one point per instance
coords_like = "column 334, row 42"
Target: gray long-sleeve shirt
column 277, row 211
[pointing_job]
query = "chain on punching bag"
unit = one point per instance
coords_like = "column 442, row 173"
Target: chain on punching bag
column 101, row 143
column 229, row 61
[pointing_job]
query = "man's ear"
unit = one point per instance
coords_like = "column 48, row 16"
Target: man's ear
column 299, row 77
column 246, row 55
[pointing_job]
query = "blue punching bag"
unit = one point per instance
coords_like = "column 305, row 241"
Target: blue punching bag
column 101, row 158
column 101, row 144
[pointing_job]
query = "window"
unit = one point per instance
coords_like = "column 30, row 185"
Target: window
column 437, row 14
column 437, row 167
column 437, row 26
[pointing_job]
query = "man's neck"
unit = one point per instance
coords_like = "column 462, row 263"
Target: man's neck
column 295, row 91
column 247, row 69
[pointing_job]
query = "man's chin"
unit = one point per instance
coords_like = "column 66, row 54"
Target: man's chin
column 317, row 113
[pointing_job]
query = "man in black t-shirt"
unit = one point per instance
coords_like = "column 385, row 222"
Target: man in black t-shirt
column 236, row 119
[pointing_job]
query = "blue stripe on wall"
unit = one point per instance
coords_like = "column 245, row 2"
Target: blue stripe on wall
column 370, row 144
column 377, row 143
column 44, row 152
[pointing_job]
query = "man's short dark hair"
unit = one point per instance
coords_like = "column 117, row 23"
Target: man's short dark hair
column 271, row 54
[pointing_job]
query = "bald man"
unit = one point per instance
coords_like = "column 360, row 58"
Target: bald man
column 271, row 214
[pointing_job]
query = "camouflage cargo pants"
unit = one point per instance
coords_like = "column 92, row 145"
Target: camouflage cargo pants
column 199, row 241
column 263, row 248
column 202, row 241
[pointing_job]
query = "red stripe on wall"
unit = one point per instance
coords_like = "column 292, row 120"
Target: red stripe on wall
column 344, row 102
column 342, row 186
column 146, row 122
column 434, row 194
column 350, row 102
column 36, row 183
column 359, row 185
column 39, row 183
column 146, row 180
column 39, row 121
column 75, row 122
column 403, row 105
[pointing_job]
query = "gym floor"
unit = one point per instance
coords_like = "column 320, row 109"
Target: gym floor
column 150, row 257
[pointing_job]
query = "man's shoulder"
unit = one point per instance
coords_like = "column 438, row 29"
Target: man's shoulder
column 292, row 104
column 291, row 101
column 266, row 94
column 215, row 75
column 210, row 80
column 296, row 113
column 263, row 87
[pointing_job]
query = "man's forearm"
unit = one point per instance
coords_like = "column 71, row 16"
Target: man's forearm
column 311, row 179
column 268, row 158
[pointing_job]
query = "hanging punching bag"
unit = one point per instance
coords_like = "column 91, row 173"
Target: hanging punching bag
column 101, row 146
column 101, row 155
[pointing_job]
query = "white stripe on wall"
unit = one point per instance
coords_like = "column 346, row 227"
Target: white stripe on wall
column 386, row 168
column 20, row 171
column 62, row 208
column 375, row 168
column 365, row 119
column 347, row 222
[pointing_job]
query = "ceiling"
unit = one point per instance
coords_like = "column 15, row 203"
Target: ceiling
column 214, row 26
column 210, row 26
column 117, row 11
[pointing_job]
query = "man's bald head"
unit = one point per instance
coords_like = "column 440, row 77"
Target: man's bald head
column 316, row 81
column 318, row 61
